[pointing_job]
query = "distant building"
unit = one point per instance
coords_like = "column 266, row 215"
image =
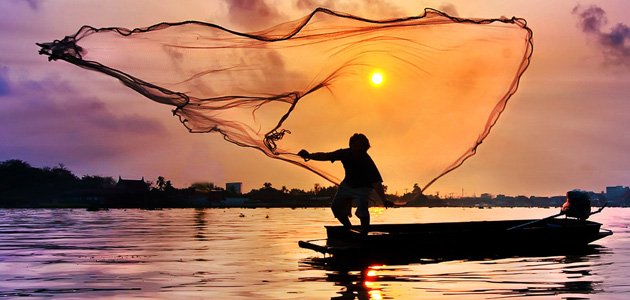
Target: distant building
column 234, row 187
column 132, row 185
column 486, row 196
column 596, row 199
column 130, row 193
column 617, row 195
column 557, row 201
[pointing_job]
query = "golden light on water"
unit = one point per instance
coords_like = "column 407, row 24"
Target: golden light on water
column 375, row 294
column 373, row 290
column 376, row 211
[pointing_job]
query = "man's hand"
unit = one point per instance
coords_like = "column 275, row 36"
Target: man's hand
column 304, row 154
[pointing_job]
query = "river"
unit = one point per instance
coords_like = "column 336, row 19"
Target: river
column 253, row 254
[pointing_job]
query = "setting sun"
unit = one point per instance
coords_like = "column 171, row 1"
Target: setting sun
column 377, row 78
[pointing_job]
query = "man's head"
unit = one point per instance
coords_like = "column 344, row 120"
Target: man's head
column 359, row 142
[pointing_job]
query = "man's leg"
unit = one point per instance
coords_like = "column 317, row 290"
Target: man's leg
column 362, row 210
column 345, row 221
column 342, row 207
column 365, row 224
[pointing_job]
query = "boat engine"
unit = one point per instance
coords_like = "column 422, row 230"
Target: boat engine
column 578, row 205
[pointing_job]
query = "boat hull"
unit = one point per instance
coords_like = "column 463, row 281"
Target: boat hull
column 484, row 238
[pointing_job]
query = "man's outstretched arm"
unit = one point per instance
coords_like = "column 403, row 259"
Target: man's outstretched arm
column 314, row 156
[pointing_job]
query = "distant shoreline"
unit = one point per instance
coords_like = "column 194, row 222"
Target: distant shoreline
column 24, row 186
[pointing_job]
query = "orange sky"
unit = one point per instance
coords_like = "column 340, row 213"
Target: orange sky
column 565, row 128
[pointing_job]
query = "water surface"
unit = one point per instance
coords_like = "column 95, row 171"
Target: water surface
column 253, row 254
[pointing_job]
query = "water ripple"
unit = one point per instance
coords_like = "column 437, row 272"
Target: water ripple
column 213, row 253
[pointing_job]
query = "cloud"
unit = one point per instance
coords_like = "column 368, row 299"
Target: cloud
column 4, row 85
column 32, row 4
column 449, row 9
column 369, row 8
column 261, row 14
column 615, row 45
column 49, row 119
column 254, row 14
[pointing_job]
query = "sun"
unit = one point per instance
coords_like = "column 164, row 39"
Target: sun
column 377, row 78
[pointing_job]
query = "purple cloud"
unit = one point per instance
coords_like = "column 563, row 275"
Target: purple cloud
column 32, row 4
column 379, row 8
column 591, row 19
column 615, row 45
column 254, row 14
column 49, row 121
column 4, row 85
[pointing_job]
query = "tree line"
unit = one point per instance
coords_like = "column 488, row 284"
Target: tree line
column 22, row 185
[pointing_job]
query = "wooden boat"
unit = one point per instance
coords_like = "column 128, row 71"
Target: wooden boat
column 460, row 239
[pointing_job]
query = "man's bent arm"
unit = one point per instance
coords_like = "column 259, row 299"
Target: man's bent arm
column 380, row 191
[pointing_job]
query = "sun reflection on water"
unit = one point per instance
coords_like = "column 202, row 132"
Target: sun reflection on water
column 214, row 253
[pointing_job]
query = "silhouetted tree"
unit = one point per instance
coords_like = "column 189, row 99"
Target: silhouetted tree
column 60, row 179
column 297, row 192
column 160, row 182
column 327, row 191
column 416, row 188
column 94, row 181
column 316, row 188
column 164, row 185
column 17, row 182
column 267, row 193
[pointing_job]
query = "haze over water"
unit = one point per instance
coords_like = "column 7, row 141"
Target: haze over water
column 219, row 254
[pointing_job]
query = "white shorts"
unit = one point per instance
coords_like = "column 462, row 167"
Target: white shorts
column 342, row 203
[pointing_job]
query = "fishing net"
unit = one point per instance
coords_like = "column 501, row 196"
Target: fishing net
column 306, row 84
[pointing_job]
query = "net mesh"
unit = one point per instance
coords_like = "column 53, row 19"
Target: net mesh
column 305, row 84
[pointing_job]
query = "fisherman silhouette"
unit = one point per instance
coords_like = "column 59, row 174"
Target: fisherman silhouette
column 362, row 179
